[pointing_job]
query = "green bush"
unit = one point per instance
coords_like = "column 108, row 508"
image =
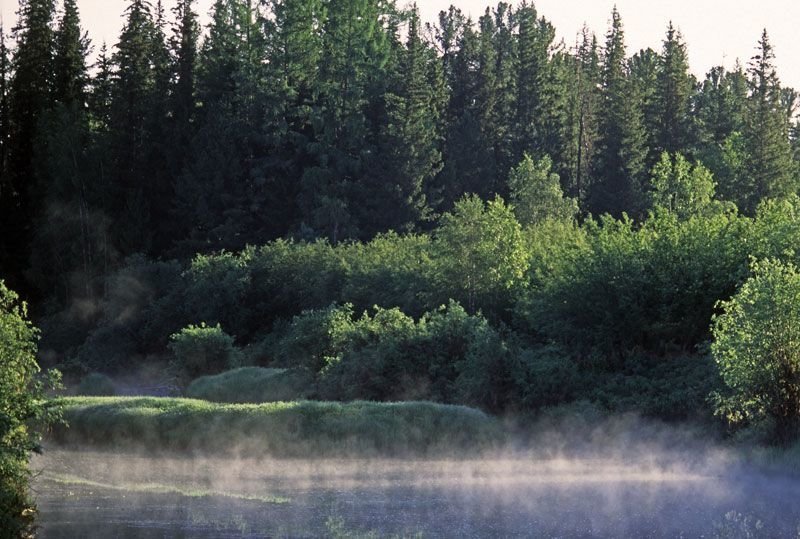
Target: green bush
column 313, row 338
column 480, row 255
column 445, row 356
column 756, row 347
column 253, row 385
column 640, row 289
column 296, row 429
column 22, row 408
column 202, row 349
column 96, row 384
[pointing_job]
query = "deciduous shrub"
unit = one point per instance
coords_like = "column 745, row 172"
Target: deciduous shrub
column 22, row 407
column 757, row 347
column 446, row 356
column 640, row 289
column 202, row 349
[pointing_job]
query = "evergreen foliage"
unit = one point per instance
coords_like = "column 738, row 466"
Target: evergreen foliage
column 620, row 159
column 299, row 162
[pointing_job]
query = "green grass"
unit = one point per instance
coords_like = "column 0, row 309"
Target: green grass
column 251, row 385
column 282, row 429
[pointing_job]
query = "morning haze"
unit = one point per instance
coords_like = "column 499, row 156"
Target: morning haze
column 333, row 272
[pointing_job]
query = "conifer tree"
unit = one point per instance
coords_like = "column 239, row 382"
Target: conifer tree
column 29, row 96
column 620, row 160
column 720, row 105
column 134, row 95
column 218, row 201
column 71, row 51
column 584, row 109
column 766, row 132
column 501, row 123
column 101, row 89
column 674, row 92
column 470, row 165
column 720, row 108
column 4, row 109
column 353, row 70
column 297, row 44
column 535, row 129
column 61, row 254
column 184, row 104
column 643, row 76
column 411, row 135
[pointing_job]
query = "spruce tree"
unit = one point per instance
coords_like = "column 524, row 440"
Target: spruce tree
column 674, row 92
column 71, row 51
column 60, row 264
column 470, row 165
column 100, row 91
column 621, row 157
column 132, row 112
column 720, row 105
column 766, row 132
column 536, row 129
column 644, row 73
column 29, row 96
column 585, row 104
column 353, row 73
column 219, row 194
column 720, row 109
column 502, row 123
column 5, row 68
column 184, row 93
column 410, row 138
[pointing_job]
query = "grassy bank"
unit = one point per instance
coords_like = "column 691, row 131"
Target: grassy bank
column 252, row 385
column 284, row 429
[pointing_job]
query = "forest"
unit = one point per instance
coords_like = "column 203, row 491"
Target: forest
column 356, row 204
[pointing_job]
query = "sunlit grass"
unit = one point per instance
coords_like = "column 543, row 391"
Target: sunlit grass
column 290, row 429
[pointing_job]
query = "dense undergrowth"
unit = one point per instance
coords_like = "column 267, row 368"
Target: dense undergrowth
column 609, row 311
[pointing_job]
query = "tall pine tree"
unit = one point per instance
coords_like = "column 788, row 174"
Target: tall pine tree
column 621, row 158
column 410, row 139
column 135, row 105
column 71, row 50
column 674, row 91
column 766, row 132
column 29, row 97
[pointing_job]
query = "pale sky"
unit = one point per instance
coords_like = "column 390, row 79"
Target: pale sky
column 716, row 31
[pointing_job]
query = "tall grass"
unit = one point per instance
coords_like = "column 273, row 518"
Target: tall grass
column 252, row 385
column 282, row 429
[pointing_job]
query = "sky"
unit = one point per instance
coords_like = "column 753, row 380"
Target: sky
column 716, row 31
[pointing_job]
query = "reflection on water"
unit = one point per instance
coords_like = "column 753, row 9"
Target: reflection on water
column 85, row 494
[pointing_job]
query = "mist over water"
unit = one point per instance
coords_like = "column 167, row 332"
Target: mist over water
column 611, row 485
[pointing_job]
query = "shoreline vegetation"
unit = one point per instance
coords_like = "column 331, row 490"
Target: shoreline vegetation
column 280, row 429
column 403, row 234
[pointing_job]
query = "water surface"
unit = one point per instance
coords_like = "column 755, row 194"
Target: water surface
column 92, row 494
